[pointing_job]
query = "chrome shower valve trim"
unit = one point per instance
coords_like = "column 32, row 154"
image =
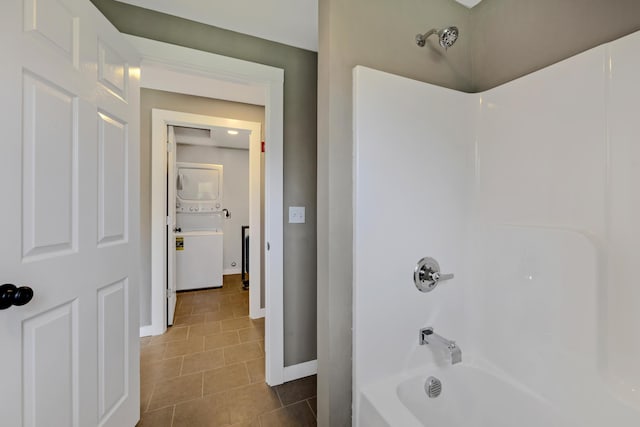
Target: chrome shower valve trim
column 426, row 275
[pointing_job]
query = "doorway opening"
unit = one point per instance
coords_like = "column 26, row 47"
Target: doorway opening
column 176, row 69
column 199, row 220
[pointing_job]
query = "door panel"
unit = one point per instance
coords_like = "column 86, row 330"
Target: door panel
column 113, row 366
column 50, row 164
column 112, row 184
column 50, row 367
column 113, row 70
column 54, row 22
column 69, row 171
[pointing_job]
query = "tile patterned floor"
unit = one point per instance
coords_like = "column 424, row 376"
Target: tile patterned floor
column 208, row 369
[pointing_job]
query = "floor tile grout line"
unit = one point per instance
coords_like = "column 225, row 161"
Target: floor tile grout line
column 202, row 385
column 174, row 404
column 153, row 389
column 284, row 407
column 173, row 415
column 227, row 390
column 269, row 412
column 246, row 369
column 310, row 408
column 278, row 394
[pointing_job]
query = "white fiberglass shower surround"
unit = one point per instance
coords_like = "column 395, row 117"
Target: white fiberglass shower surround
column 529, row 194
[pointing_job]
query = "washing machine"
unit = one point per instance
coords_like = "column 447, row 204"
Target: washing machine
column 199, row 259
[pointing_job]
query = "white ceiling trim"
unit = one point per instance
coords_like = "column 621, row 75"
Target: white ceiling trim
column 469, row 3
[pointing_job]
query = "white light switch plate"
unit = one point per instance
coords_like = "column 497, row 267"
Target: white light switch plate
column 296, row 215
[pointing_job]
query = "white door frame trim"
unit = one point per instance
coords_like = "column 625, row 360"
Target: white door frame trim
column 160, row 119
column 216, row 76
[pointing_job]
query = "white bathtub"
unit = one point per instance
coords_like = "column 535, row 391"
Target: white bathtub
column 473, row 396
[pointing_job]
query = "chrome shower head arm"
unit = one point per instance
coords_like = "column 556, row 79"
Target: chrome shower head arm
column 421, row 39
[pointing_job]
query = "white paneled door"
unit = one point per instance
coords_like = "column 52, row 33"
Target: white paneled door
column 69, row 156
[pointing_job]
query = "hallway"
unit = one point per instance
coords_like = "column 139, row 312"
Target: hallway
column 208, row 369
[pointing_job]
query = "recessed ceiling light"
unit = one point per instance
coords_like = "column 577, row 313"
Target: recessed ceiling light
column 232, row 132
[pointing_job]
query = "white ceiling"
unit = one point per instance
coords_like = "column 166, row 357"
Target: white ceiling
column 292, row 22
column 214, row 136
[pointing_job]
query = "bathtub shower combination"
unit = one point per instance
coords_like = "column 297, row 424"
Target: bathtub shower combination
column 504, row 292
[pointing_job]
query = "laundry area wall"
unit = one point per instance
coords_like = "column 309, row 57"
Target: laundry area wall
column 235, row 188
column 150, row 99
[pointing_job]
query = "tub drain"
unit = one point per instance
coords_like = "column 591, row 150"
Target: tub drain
column 433, row 387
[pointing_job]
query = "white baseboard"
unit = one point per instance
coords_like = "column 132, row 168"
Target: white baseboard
column 146, row 331
column 300, row 370
column 260, row 314
column 227, row 271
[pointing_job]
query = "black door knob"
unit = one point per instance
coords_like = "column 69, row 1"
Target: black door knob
column 12, row 295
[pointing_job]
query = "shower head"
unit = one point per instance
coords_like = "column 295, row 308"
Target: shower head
column 446, row 37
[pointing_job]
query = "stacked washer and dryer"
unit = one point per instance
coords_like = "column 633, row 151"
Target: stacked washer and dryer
column 199, row 221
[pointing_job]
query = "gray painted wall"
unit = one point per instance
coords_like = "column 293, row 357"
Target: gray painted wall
column 500, row 41
column 379, row 34
column 300, row 133
column 512, row 38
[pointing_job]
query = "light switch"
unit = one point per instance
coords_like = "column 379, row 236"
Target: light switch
column 296, row 215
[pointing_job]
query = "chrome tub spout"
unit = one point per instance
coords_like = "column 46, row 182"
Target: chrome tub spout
column 428, row 337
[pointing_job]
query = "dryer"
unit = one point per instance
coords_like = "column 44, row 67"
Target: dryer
column 199, row 188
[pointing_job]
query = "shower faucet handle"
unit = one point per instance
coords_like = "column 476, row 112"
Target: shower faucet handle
column 436, row 276
column 426, row 275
